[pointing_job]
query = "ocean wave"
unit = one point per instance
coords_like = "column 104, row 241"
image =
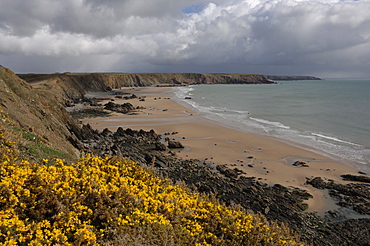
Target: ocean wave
column 226, row 110
column 334, row 139
column 221, row 111
column 272, row 123
column 182, row 92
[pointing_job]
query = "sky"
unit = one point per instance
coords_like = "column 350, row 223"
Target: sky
column 324, row 38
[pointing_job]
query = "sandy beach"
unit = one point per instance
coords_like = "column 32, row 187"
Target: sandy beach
column 269, row 160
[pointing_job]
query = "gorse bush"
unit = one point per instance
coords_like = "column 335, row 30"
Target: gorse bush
column 114, row 201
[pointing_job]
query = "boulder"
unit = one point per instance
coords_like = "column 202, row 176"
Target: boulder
column 300, row 164
column 174, row 144
column 121, row 108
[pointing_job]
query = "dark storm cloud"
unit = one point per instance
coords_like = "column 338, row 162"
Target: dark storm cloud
column 324, row 38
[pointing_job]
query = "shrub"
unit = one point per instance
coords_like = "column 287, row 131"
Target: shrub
column 115, row 201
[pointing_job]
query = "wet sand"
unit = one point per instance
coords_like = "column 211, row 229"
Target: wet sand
column 269, row 160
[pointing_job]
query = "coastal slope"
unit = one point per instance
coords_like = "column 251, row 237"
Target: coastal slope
column 24, row 104
column 37, row 116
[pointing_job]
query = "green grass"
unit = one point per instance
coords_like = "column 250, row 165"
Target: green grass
column 40, row 151
column 88, row 113
column 32, row 146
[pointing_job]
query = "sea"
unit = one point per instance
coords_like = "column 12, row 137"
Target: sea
column 330, row 117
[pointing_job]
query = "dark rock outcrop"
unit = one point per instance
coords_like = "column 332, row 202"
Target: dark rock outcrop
column 300, row 164
column 124, row 108
column 160, row 147
column 174, row 144
column 358, row 178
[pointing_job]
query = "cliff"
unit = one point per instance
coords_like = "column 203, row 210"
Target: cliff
column 37, row 117
column 76, row 85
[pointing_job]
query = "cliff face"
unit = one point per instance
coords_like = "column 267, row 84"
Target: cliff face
column 36, row 114
column 76, row 85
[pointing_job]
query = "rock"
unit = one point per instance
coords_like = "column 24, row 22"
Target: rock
column 174, row 144
column 121, row 108
column 333, row 214
column 230, row 173
column 300, row 164
column 106, row 132
column 133, row 96
column 160, row 147
column 355, row 232
column 350, row 177
column 120, row 132
column 88, row 132
column 317, row 183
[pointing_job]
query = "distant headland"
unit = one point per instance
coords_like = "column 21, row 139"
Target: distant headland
column 291, row 77
column 115, row 80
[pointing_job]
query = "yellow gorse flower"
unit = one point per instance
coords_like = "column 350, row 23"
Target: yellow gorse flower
column 89, row 202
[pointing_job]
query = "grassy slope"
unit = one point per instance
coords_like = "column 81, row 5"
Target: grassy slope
column 37, row 116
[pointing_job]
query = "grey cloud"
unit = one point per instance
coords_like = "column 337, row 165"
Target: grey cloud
column 283, row 33
column 91, row 17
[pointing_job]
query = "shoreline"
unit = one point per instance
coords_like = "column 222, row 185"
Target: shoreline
column 267, row 159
